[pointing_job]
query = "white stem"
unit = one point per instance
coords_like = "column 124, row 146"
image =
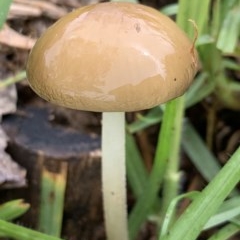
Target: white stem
column 114, row 175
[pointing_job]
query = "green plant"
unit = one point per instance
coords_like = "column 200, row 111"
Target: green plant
column 4, row 6
column 14, row 231
column 53, row 186
column 210, row 80
column 13, row 209
column 12, row 80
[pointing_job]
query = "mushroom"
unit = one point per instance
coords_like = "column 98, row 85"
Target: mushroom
column 113, row 58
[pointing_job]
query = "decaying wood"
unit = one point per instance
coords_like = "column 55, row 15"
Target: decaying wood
column 36, row 144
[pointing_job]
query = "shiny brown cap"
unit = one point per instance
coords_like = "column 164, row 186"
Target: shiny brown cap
column 112, row 57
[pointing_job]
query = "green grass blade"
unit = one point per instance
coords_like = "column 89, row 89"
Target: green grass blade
column 13, row 209
column 172, row 174
column 4, row 8
column 200, row 89
column 195, row 10
column 217, row 17
column 199, row 154
column 232, row 202
column 13, row 79
column 228, row 92
column 170, row 9
column 229, row 209
column 53, row 187
column 225, row 232
column 136, row 172
column 204, row 39
column 168, row 219
column 229, row 33
column 153, row 116
column 21, row 233
column 232, row 65
column 222, row 217
column 208, row 202
column 146, row 201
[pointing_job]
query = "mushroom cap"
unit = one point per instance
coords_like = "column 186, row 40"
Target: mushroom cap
column 112, row 57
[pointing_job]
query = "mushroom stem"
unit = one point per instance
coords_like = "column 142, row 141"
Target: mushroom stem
column 114, row 175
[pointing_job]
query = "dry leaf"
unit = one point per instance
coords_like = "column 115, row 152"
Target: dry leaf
column 23, row 8
column 12, row 38
column 11, row 174
column 21, row 11
column 8, row 99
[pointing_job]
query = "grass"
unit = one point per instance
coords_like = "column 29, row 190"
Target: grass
column 4, row 6
column 14, row 231
column 53, row 186
column 218, row 39
column 206, row 204
column 12, row 80
column 194, row 146
column 167, row 136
